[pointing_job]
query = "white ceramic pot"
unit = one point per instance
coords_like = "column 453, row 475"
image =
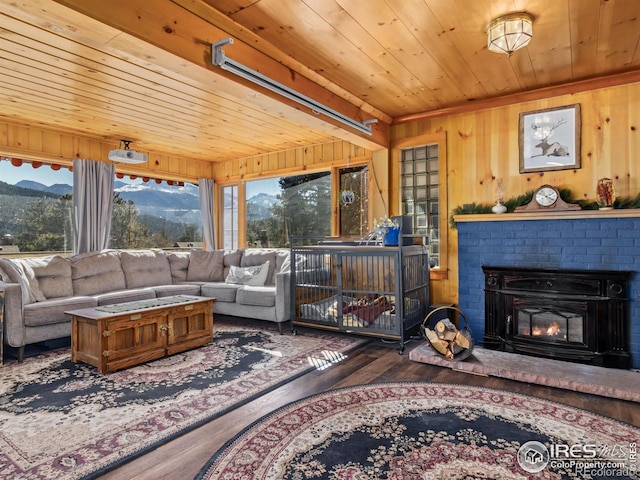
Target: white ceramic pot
column 498, row 208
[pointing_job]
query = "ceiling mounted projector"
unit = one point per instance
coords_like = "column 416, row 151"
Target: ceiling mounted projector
column 126, row 155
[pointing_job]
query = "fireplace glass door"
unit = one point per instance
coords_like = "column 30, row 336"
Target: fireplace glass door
column 550, row 325
column 537, row 320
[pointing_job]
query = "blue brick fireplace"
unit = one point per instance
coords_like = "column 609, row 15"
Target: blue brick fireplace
column 592, row 242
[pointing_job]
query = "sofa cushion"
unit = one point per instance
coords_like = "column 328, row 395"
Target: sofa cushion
column 255, row 276
column 258, row 296
column 53, row 274
column 179, row 266
column 178, row 289
column 53, row 311
column 222, row 292
column 254, row 257
column 96, row 272
column 206, row 266
column 121, row 296
column 145, row 268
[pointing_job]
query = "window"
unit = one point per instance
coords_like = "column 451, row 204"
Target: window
column 36, row 206
column 354, row 201
column 279, row 208
column 229, row 225
column 155, row 214
column 420, row 194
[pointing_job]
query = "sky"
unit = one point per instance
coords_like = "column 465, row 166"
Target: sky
column 269, row 186
column 44, row 174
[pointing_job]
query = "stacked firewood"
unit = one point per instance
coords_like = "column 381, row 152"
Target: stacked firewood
column 447, row 339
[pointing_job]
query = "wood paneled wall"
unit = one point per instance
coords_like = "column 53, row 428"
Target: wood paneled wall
column 483, row 149
column 49, row 146
column 52, row 147
column 289, row 162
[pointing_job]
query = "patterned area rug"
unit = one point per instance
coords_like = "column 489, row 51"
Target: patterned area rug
column 64, row 420
column 428, row 431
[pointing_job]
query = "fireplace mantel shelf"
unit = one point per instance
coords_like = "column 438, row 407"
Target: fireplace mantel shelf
column 564, row 215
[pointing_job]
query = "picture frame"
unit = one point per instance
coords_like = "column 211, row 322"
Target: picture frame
column 549, row 139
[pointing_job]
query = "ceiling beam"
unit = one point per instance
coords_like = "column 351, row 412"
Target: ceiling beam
column 173, row 29
column 623, row 78
column 205, row 11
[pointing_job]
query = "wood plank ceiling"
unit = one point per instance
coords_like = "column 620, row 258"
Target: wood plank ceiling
column 141, row 69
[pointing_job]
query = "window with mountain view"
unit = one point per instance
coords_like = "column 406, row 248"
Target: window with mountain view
column 36, row 211
column 155, row 215
column 279, row 208
column 35, row 208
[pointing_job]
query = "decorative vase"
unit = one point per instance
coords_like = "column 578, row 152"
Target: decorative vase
column 498, row 208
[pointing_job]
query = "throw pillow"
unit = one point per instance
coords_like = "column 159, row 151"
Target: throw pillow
column 258, row 256
column 253, row 276
column 23, row 274
column 4, row 276
column 232, row 257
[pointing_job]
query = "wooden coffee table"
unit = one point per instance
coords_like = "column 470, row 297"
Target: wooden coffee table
column 112, row 337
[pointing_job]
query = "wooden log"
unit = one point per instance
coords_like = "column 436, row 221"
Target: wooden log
column 440, row 345
column 448, row 340
column 462, row 339
column 446, row 330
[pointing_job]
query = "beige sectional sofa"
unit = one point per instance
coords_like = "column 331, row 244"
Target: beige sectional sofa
column 253, row 283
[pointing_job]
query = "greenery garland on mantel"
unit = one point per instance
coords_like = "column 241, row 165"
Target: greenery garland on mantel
column 512, row 203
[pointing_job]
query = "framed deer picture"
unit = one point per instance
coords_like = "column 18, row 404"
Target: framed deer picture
column 550, row 139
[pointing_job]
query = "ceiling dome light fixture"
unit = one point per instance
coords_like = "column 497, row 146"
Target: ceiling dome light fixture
column 510, row 32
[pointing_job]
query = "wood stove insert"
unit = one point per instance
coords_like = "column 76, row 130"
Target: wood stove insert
column 566, row 314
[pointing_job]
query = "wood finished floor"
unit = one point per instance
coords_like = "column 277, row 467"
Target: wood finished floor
column 183, row 457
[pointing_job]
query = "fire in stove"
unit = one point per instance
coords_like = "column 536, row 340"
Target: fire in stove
column 544, row 325
column 551, row 331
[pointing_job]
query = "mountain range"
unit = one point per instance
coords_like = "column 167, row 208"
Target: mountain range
column 150, row 198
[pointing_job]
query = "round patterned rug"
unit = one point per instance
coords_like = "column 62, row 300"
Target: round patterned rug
column 428, row 431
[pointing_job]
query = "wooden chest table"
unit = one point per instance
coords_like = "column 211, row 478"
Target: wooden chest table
column 112, row 337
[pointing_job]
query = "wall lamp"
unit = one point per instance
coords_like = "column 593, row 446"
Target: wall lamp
column 220, row 59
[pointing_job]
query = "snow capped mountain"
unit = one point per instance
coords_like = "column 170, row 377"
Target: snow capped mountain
column 143, row 194
column 160, row 195
column 259, row 206
column 265, row 200
column 158, row 199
